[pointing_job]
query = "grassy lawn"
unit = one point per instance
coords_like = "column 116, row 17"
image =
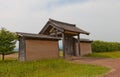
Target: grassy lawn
column 60, row 53
column 115, row 54
column 49, row 68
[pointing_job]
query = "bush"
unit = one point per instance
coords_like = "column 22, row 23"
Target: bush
column 102, row 46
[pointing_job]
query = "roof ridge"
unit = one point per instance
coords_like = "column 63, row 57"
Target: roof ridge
column 62, row 22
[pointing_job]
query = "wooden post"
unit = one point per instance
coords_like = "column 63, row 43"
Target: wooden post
column 22, row 49
column 63, row 40
column 79, row 44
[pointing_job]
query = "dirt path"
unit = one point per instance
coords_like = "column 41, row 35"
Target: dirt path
column 114, row 64
column 14, row 55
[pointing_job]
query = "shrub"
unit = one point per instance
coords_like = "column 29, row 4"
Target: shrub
column 102, row 46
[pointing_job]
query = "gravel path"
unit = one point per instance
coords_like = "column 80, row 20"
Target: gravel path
column 114, row 64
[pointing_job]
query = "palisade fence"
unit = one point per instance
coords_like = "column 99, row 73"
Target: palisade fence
column 102, row 46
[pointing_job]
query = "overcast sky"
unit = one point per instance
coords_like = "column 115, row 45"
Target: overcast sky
column 99, row 17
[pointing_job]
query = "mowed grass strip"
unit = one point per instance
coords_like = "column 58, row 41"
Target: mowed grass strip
column 113, row 54
column 49, row 68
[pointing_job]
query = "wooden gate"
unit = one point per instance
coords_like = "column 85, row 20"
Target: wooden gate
column 69, row 45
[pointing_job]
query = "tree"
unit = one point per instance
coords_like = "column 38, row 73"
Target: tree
column 7, row 41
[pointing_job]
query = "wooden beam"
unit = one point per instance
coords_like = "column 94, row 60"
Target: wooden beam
column 58, row 33
column 69, row 32
column 79, row 44
column 51, row 30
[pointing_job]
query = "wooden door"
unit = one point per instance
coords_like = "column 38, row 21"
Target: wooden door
column 69, row 45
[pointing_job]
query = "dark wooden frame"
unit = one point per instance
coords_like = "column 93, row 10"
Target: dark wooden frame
column 22, row 49
column 79, row 44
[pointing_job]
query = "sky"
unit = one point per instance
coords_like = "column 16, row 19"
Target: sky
column 99, row 17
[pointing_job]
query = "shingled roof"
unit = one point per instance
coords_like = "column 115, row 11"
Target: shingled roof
column 36, row 36
column 64, row 26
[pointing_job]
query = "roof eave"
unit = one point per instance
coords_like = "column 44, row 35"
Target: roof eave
column 87, row 33
column 37, row 37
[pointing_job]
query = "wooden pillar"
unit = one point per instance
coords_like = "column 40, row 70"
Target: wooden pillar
column 79, row 44
column 63, row 40
column 22, row 49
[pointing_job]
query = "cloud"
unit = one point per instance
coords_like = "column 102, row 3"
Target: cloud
column 99, row 17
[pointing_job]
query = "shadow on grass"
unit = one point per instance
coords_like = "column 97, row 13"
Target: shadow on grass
column 97, row 55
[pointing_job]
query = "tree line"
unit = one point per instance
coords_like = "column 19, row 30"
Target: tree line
column 102, row 46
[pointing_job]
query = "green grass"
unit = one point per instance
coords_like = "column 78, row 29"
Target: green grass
column 61, row 53
column 115, row 54
column 49, row 68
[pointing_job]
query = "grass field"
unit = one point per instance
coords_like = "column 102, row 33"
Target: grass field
column 61, row 53
column 115, row 54
column 49, row 68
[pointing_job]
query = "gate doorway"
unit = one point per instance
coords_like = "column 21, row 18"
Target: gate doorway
column 69, row 45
